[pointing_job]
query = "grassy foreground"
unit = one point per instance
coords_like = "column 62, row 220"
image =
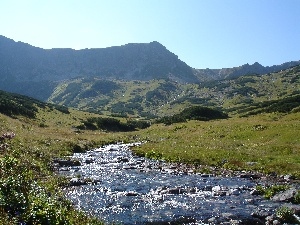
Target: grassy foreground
column 266, row 143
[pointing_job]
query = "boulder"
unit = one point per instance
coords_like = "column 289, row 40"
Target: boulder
column 250, row 176
column 67, row 162
column 77, row 182
column 285, row 196
column 233, row 191
column 132, row 193
column 175, row 191
column 261, row 214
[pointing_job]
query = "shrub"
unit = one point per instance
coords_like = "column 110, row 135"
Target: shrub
column 297, row 198
column 285, row 214
column 112, row 124
column 193, row 113
column 140, row 124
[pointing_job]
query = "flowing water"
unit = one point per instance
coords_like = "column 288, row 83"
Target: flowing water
column 127, row 189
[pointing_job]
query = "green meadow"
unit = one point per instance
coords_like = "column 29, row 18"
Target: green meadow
column 266, row 143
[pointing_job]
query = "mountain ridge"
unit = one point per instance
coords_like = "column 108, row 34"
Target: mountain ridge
column 140, row 61
column 50, row 74
column 246, row 69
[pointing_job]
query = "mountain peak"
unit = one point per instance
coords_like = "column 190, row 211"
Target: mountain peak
column 256, row 64
column 132, row 61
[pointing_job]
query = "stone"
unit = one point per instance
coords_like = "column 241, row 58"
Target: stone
column 285, row 196
column 192, row 190
column 219, row 193
column 123, row 160
column 89, row 160
column 250, row 176
column 77, row 182
column 229, row 216
column 207, row 188
column 216, row 188
column 132, row 193
column 234, row 191
column 65, row 162
column 261, row 214
column 211, row 220
column 251, row 221
column 205, row 175
column 254, row 192
column 249, row 200
column 175, row 191
column 296, row 209
column 288, row 177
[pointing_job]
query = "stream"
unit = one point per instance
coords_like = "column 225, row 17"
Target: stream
column 115, row 185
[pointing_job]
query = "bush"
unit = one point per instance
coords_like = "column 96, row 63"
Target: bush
column 285, row 214
column 297, row 198
column 193, row 113
column 112, row 124
column 140, row 124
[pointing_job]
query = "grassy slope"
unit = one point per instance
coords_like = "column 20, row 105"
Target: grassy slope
column 233, row 95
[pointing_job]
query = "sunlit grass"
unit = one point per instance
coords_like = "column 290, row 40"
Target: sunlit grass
column 266, row 143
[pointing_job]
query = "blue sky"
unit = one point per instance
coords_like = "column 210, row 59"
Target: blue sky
column 203, row 33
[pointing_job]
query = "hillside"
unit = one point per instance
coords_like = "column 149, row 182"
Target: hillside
column 14, row 105
column 159, row 98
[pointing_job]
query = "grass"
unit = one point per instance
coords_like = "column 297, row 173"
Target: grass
column 271, row 142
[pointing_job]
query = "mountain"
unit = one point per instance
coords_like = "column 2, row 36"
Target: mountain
column 23, row 62
column 246, row 69
column 136, row 79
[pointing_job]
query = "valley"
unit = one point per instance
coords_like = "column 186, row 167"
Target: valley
column 219, row 123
